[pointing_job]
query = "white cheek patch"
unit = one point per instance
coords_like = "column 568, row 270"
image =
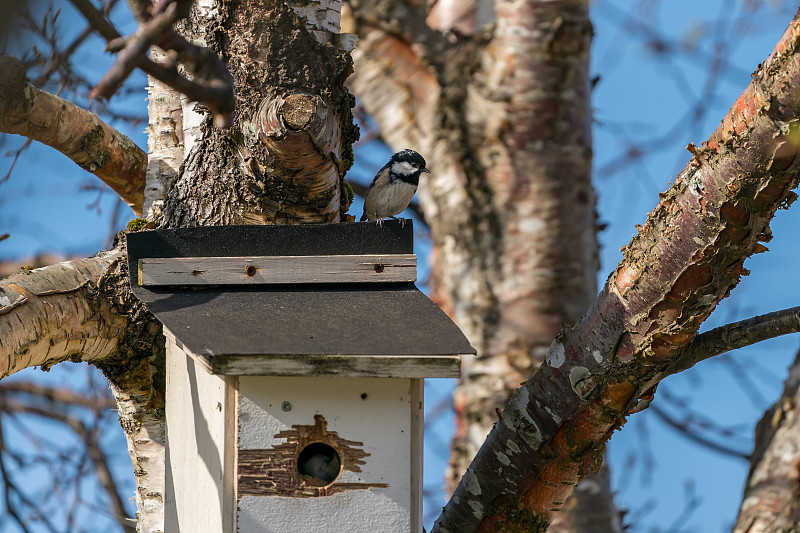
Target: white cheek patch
column 403, row 167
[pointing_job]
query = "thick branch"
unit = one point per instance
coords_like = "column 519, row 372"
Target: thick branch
column 685, row 259
column 77, row 133
column 55, row 313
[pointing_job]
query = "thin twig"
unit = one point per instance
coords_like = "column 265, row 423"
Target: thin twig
column 61, row 395
column 212, row 84
column 737, row 335
column 695, row 436
column 98, row 458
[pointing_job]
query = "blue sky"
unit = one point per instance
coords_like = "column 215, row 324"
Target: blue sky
column 642, row 93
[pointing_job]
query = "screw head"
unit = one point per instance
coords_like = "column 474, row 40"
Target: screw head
column 286, row 406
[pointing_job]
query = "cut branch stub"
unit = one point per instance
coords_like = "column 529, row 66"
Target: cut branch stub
column 303, row 138
column 298, row 110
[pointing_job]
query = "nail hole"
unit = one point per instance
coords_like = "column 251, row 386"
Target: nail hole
column 379, row 268
column 363, row 395
column 250, row 270
column 320, row 463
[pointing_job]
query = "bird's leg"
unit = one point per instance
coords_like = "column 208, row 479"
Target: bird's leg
column 380, row 222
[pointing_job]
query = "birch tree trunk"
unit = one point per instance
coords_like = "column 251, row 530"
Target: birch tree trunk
column 497, row 115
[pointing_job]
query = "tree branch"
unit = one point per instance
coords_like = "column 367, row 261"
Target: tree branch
column 77, row 133
column 56, row 395
column 392, row 80
column 687, row 257
column 54, row 313
column 737, row 335
column 102, row 469
column 406, row 22
column 212, row 84
column 696, row 437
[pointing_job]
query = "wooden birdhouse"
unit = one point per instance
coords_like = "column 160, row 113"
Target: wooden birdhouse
column 295, row 364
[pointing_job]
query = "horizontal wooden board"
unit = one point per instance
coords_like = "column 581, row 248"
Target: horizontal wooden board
column 263, row 270
column 379, row 366
column 348, row 366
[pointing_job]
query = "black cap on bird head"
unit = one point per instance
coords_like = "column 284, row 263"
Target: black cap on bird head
column 412, row 157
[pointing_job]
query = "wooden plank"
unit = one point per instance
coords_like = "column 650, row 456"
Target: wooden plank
column 200, row 444
column 440, row 366
column 262, row 270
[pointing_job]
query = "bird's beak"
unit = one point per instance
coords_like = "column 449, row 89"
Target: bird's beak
column 426, row 170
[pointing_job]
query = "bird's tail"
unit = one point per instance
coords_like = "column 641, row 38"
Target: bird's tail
column 363, row 217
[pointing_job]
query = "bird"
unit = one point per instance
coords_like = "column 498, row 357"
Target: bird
column 393, row 186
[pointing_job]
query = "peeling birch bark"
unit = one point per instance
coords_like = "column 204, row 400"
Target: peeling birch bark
column 771, row 503
column 77, row 133
column 83, row 310
column 141, row 414
column 55, row 314
column 164, row 141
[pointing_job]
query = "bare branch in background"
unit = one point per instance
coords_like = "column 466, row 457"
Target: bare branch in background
column 211, row 85
column 84, row 413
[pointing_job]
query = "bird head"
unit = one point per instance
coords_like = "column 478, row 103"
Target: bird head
column 408, row 163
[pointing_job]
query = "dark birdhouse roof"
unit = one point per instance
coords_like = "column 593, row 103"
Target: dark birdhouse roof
column 306, row 328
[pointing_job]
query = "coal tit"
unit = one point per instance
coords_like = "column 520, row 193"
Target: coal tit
column 393, row 186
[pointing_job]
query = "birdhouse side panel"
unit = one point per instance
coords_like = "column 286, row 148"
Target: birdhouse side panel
column 201, row 435
column 328, row 454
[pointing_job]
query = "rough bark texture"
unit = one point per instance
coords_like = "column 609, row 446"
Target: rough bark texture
column 137, row 377
column 771, row 502
column 284, row 159
column 91, row 143
column 590, row 508
column 57, row 313
column 684, row 260
column 165, row 141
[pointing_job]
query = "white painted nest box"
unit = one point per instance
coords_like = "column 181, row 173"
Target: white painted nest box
column 295, row 365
